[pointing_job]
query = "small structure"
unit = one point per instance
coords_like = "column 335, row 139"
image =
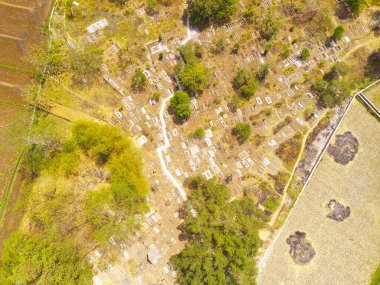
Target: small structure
column 97, row 26
column 155, row 47
column 153, row 254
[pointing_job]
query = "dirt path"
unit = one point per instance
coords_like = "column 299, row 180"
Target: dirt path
column 10, row 37
column 362, row 44
column 15, row 6
column 284, row 195
column 163, row 149
column 7, row 84
column 191, row 33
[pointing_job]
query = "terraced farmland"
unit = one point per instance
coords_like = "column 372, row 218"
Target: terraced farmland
column 20, row 24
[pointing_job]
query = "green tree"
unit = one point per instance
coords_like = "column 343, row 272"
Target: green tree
column 191, row 53
column 270, row 25
column 305, row 53
column 339, row 69
column 180, row 102
column 222, row 239
column 156, row 96
column 245, row 82
column 139, row 80
column 99, row 141
column 242, row 131
column 42, row 260
column 235, row 48
column 193, row 77
column 331, row 93
column 84, row 62
column 199, row 133
column 53, row 58
column 204, row 12
column 338, row 33
column 262, row 72
column 357, row 6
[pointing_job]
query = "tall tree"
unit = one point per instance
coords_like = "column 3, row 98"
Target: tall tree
column 223, row 237
column 204, row 12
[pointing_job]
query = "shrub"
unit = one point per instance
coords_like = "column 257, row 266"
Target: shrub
column 305, row 53
column 180, row 102
column 139, row 80
column 338, row 33
column 242, row 131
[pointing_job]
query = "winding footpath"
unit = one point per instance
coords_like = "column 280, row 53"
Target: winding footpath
column 191, row 34
column 163, row 149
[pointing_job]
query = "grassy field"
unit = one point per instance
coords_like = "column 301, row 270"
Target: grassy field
column 345, row 252
column 374, row 96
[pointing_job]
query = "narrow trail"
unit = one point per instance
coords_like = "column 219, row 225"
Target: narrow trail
column 10, row 37
column 362, row 44
column 284, row 195
column 15, row 6
column 191, row 34
column 163, row 149
column 7, row 84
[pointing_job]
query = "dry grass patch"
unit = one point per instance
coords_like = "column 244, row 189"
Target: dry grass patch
column 346, row 250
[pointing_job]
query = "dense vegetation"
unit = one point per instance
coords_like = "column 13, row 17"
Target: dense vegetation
column 242, row 131
column 67, row 214
column 204, row 12
column 139, row 80
column 305, row 53
column 180, row 103
column 338, row 33
column 357, row 6
column 33, row 259
column 82, row 63
column 223, row 237
column 192, row 74
column 332, row 90
column 246, row 83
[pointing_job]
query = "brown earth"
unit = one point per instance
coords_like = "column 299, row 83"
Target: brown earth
column 14, row 121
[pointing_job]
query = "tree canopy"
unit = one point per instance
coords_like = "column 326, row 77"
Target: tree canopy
column 139, row 80
column 338, row 33
column 270, row 24
column 180, row 102
column 194, row 77
column 204, row 12
column 331, row 93
column 333, row 89
column 192, row 74
column 242, row 131
column 338, row 70
column 42, row 260
column 223, row 237
column 102, row 200
column 357, row 6
column 245, row 82
column 305, row 53
column 85, row 62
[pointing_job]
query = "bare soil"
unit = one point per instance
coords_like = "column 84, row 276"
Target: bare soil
column 14, row 121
